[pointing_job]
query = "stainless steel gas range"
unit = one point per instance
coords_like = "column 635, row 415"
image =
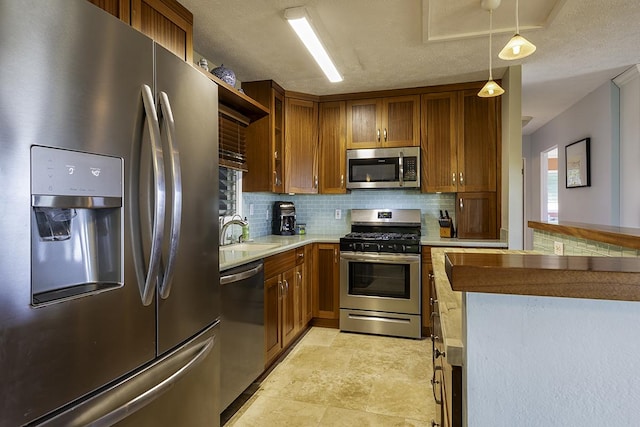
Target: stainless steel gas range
column 380, row 273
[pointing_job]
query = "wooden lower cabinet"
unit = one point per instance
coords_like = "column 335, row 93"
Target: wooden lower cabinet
column 326, row 284
column 286, row 290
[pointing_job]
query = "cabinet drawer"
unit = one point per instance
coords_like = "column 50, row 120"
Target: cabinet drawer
column 276, row 264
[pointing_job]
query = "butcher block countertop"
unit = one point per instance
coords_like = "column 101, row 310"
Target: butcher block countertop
column 606, row 278
column 458, row 270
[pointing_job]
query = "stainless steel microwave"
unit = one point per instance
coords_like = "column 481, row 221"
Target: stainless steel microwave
column 383, row 168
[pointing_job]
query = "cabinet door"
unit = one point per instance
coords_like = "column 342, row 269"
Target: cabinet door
column 118, row 8
column 265, row 140
column 167, row 22
column 301, row 146
column 363, row 123
column 289, row 302
column 478, row 143
column 427, row 269
column 332, row 147
column 439, row 142
column 327, row 281
column 276, row 154
column 476, row 214
column 307, row 299
column 401, row 121
column 272, row 317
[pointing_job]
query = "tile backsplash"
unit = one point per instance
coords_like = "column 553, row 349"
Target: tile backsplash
column 543, row 242
column 318, row 211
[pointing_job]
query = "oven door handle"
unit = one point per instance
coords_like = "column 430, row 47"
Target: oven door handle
column 382, row 258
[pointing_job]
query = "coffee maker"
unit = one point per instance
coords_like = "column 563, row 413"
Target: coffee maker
column 284, row 218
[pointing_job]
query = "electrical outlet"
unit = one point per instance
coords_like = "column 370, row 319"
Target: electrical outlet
column 338, row 214
column 251, row 209
column 558, row 248
column 267, row 214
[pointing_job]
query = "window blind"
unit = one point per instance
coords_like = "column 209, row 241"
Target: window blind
column 232, row 139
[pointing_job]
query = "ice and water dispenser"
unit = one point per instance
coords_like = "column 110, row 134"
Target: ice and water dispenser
column 76, row 224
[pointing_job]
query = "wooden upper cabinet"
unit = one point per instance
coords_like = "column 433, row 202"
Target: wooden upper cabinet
column 301, row 146
column 119, row 8
column 401, row 121
column 460, row 139
column 265, row 140
column 439, row 162
column 383, row 122
column 363, row 123
column 478, row 149
column 167, row 22
column 332, row 125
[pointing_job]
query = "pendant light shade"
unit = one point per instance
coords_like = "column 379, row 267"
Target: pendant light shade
column 518, row 47
column 491, row 88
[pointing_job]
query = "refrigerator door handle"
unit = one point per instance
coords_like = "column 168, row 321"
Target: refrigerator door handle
column 125, row 398
column 171, row 149
column 159, row 199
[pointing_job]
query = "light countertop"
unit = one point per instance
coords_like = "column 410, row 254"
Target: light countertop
column 450, row 302
column 232, row 258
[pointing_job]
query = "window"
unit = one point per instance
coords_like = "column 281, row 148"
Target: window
column 230, row 193
column 549, row 185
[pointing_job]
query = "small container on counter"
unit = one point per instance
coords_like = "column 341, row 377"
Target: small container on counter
column 301, row 228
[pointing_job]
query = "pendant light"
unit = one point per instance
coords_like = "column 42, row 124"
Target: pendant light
column 518, row 47
column 491, row 88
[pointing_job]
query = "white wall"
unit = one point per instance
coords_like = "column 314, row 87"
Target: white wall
column 595, row 116
column 629, row 84
column 540, row 361
column 512, row 190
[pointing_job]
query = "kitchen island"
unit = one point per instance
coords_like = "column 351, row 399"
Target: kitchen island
column 542, row 340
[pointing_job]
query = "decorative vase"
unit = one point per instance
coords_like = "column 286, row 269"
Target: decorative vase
column 225, row 74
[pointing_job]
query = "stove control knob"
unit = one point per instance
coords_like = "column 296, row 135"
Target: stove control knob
column 378, row 247
column 357, row 246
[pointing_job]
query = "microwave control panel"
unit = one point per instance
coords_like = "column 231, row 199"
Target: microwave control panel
column 410, row 168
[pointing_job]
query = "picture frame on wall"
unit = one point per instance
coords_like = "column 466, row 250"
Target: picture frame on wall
column 578, row 164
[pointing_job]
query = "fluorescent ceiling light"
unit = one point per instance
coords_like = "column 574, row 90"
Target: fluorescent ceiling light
column 299, row 21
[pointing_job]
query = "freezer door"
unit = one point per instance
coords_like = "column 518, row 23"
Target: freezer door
column 180, row 389
column 70, row 78
column 188, row 113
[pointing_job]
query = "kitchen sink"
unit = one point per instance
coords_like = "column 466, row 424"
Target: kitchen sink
column 248, row 247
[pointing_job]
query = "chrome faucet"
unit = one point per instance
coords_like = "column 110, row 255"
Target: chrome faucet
column 223, row 229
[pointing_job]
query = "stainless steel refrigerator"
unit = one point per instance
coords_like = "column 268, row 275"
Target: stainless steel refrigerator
column 109, row 294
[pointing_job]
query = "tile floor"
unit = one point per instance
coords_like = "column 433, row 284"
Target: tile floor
column 333, row 378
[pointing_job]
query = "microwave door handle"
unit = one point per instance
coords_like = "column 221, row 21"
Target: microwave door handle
column 171, row 150
column 146, row 290
column 401, row 164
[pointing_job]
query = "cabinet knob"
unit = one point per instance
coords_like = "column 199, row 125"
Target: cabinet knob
column 434, row 424
column 385, row 134
column 461, row 178
column 461, row 204
column 341, row 181
column 378, row 134
column 453, row 178
column 315, row 181
column 437, row 353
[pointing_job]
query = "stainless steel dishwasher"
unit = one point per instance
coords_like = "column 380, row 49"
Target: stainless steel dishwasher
column 241, row 330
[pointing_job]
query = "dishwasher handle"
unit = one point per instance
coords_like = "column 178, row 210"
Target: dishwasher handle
column 232, row 278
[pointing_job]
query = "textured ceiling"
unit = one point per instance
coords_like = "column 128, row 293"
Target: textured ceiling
column 386, row 44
